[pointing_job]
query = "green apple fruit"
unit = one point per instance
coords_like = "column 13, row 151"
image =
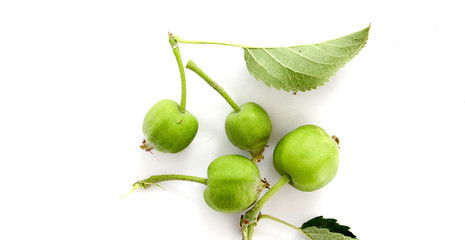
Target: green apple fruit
column 233, row 184
column 167, row 129
column 249, row 129
column 309, row 156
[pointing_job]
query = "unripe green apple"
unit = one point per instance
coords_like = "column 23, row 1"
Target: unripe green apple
column 167, row 129
column 309, row 156
column 233, row 184
column 249, row 129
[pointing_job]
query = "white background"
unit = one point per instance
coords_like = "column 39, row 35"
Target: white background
column 76, row 78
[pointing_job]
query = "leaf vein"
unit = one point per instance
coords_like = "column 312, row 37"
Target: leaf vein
column 309, row 59
column 266, row 70
column 342, row 46
column 326, row 52
column 287, row 73
column 287, row 67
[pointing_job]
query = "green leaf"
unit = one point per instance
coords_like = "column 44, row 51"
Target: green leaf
column 305, row 67
column 315, row 233
column 330, row 224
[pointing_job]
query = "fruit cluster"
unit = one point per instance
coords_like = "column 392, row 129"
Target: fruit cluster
column 307, row 158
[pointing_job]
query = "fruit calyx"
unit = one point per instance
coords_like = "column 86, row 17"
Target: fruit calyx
column 257, row 155
column 147, row 146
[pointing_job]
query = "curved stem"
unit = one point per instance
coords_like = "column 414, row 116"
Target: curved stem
column 282, row 222
column 177, row 53
column 253, row 213
column 192, row 66
column 249, row 221
column 154, row 180
column 178, row 39
column 167, row 177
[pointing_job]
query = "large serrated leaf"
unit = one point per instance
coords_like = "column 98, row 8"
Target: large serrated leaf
column 305, row 67
column 329, row 223
column 315, row 233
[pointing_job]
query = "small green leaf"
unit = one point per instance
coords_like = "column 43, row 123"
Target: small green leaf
column 330, row 224
column 305, row 67
column 315, row 233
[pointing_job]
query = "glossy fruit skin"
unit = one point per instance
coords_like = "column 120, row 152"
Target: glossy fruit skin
column 249, row 129
column 233, row 184
column 309, row 156
column 167, row 129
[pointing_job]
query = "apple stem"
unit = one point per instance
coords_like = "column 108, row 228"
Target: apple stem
column 177, row 54
column 192, row 66
column 253, row 213
column 249, row 221
column 167, row 177
column 154, row 180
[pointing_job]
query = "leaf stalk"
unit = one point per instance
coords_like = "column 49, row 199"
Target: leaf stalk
column 178, row 39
